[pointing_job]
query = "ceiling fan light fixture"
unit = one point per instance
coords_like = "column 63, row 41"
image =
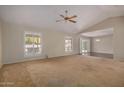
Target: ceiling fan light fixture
column 67, row 18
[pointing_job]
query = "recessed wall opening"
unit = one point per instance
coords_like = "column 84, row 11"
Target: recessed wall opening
column 101, row 43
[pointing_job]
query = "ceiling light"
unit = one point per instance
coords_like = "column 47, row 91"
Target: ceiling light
column 97, row 40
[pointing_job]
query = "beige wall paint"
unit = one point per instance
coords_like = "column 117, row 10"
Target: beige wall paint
column 105, row 45
column 119, row 38
column 107, row 23
column 52, row 40
column 117, row 23
column 0, row 46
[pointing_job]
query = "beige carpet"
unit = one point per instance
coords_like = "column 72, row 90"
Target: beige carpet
column 70, row 71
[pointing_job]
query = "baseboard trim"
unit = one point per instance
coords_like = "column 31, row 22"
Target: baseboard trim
column 34, row 59
column 63, row 55
column 23, row 60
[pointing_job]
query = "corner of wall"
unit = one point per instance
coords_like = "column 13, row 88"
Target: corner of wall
column 0, row 45
column 1, row 66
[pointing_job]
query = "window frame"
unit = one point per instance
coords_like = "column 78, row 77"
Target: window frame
column 33, row 33
column 68, row 38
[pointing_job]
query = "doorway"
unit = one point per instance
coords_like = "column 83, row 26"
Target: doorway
column 84, row 46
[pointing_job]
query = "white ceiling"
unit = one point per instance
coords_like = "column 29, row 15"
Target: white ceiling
column 46, row 16
column 98, row 33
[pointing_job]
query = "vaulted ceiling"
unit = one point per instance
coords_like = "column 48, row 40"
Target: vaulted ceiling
column 45, row 16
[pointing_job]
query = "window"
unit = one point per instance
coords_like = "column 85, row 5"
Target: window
column 32, row 44
column 68, row 44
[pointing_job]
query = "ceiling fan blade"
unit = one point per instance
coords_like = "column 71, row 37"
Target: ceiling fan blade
column 62, row 16
column 60, row 20
column 72, row 21
column 72, row 17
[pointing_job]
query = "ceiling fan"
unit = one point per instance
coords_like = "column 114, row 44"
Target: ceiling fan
column 67, row 18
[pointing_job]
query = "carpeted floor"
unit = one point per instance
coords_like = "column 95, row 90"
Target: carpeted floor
column 69, row 71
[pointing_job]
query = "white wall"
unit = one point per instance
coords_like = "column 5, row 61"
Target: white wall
column 105, row 45
column 13, row 43
column 0, row 46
